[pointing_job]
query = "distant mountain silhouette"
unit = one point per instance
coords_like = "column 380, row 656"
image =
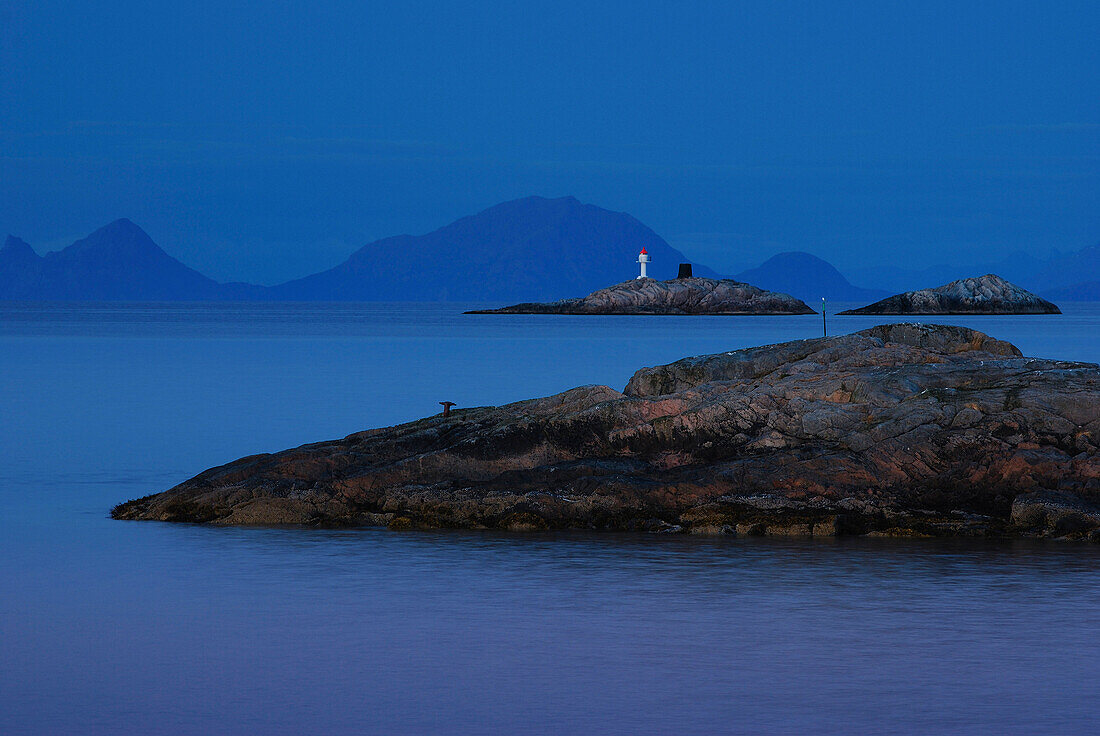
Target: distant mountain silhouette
column 118, row 262
column 524, row 250
column 20, row 270
column 532, row 249
column 1065, row 271
column 807, row 277
column 1053, row 277
column 1089, row 291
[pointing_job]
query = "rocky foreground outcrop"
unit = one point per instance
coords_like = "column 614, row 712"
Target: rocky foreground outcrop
column 675, row 296
column 989, row 294
column 900, row 429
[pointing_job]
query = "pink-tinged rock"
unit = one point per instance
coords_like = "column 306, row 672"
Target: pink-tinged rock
column 923, row 430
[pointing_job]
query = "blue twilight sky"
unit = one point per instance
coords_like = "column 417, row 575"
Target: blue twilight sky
column 266, row 140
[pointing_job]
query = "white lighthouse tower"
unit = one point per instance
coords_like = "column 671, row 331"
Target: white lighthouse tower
column 643, row 259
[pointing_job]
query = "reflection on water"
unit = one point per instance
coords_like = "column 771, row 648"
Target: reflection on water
column 111, row 627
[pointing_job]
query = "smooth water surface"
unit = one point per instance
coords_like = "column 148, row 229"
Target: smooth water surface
column 126, row 627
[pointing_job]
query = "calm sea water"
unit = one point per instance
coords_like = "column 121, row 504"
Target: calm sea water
column 110, row 627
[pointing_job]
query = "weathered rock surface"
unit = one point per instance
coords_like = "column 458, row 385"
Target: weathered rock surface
column 676, row 296
column 989, row 294
column 896, row 430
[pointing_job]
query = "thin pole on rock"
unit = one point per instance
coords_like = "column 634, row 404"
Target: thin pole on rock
column 824, row 328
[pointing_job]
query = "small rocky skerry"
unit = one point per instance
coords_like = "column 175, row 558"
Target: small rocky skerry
column 898, row 430
column 989, row 294
column 684, row 296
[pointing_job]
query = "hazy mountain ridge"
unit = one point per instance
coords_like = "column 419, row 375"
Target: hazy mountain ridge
column 808, row 278
column 117, row 262
column 1088, row 291
column 527, row 249
column 523, row 249
column 1069, row 276
column 531, row 249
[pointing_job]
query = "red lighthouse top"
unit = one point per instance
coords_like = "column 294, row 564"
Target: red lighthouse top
column 643, row 253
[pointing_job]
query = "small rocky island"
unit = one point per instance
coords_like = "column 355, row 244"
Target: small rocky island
column 680, row 296
column 898, row 430
column 989, row 294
